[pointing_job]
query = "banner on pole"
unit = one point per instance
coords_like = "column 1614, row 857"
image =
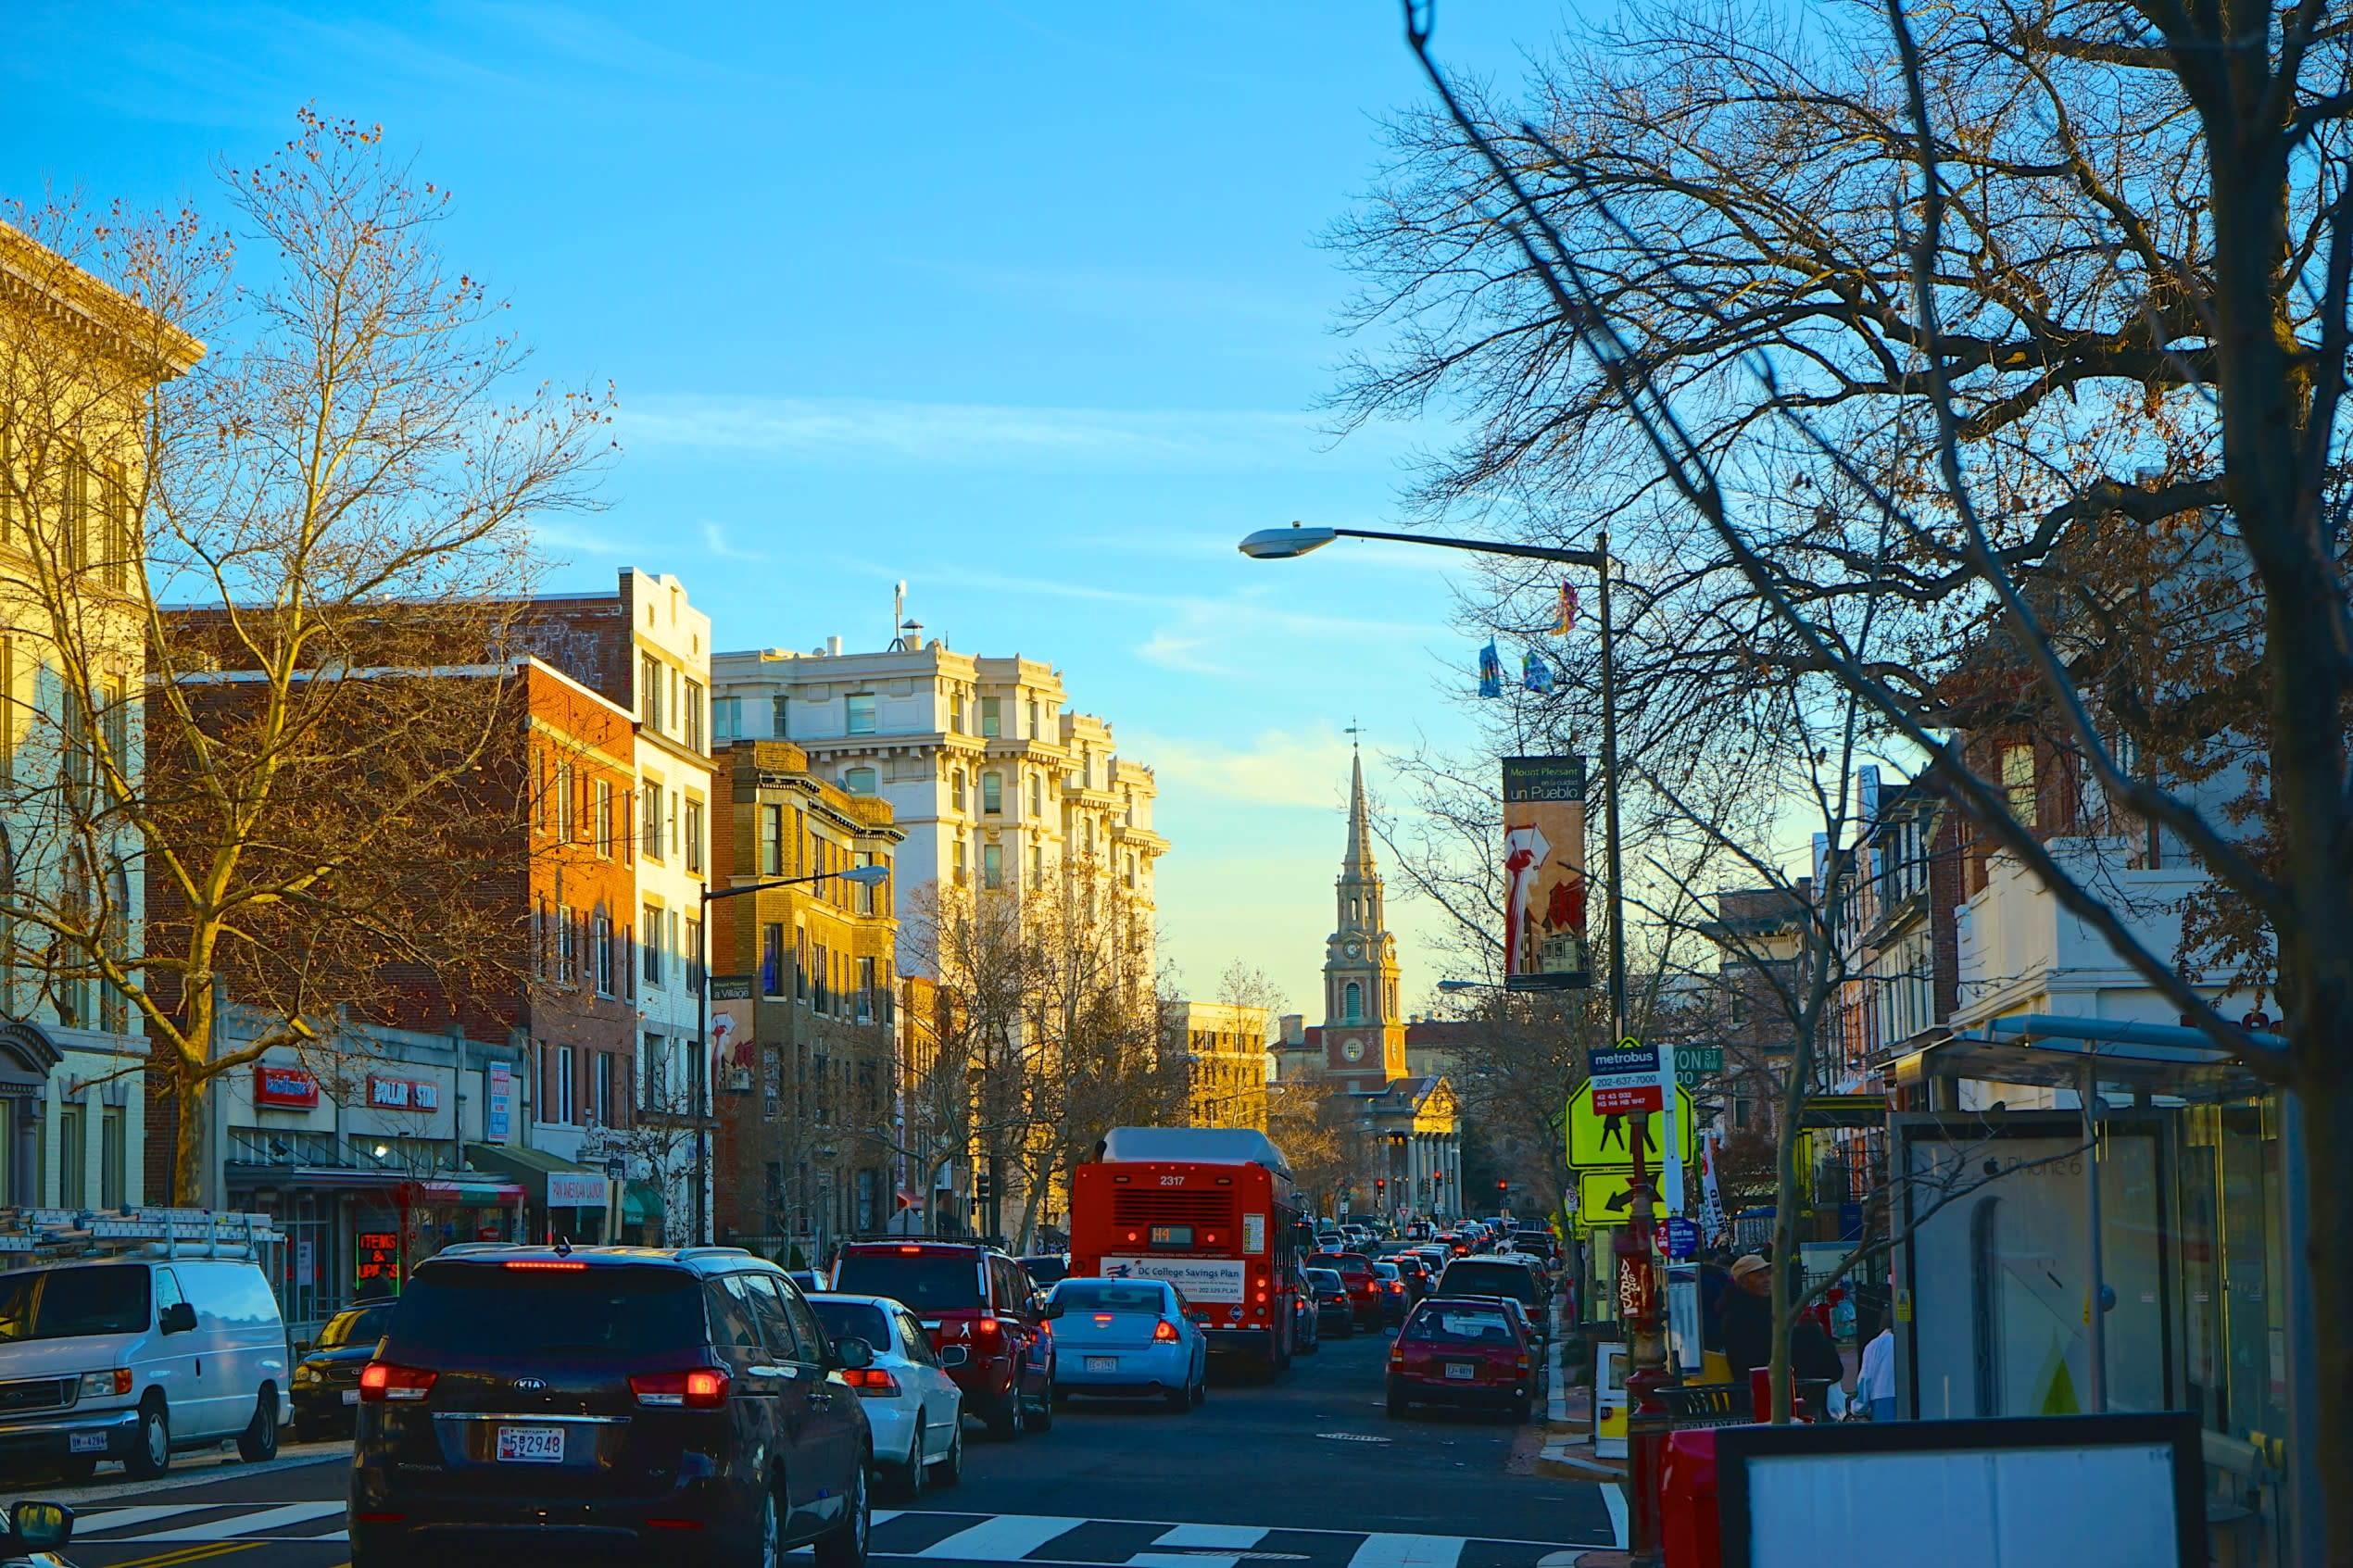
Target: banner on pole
column 1544, row 874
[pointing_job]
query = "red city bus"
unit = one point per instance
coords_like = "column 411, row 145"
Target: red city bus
column 1208, row 1210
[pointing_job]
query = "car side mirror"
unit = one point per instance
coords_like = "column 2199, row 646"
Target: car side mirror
column 178, row 1318
column 953, row 1356
column 40, row 1527
column 853, row 1354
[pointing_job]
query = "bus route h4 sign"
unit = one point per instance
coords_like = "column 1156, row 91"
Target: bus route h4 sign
column 1627, row 1099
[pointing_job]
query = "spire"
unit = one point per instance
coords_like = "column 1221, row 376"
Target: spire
column 1358, row 864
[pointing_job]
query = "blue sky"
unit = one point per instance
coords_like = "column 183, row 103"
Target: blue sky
column 1019, row 302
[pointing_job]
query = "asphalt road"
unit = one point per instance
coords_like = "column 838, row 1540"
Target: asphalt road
column 1307, row 1473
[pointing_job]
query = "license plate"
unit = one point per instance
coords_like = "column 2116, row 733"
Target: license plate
column 86, row 1442
column 1102, row 1364
column 351, row 1395
column 1461, row 1371
column 531, row 1445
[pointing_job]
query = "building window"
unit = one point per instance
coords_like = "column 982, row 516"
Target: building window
column 602, row 1114
column 694, row 955
column 1353, row 1001
column 2017, row 782
column 801, row 965
column 564, row 970
column 1739, row 1110
column 771, row 841
column 992, row 717
column 859, row 781
column 859, row 712
column 1037, row 865
column 726, row 718
column 865, row 990
column 652, row 793
column 959, row 868
column 602, row 824
column 992, row 865
column 1033, row 718
column 1037, row 797
column 772, row 960
column 114, row 1162
column 694, row 835
column 780, row 715
column 992, row 794
column 652, row 946
column 70, row 1166
column 649, row 692
column 656, row 1069
column 956, row 789
column 956, row 711
column 694, row 715
column 600, row 949
column 563, row 801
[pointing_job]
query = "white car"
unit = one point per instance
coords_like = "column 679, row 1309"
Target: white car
column 913, row 1408
column 137, row 1358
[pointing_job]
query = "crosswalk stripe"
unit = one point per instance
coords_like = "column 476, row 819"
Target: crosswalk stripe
column 1005, row 1539
column 1237, row 1538
column 261, row 1523
column 1386, row 1550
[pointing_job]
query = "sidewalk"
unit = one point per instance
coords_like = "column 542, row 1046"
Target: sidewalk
column 1567, row 1453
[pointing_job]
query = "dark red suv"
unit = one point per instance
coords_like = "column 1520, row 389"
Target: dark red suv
column 1456, row 1352
column 969, row 1294
column 685, row 1403
column 1367, row 1298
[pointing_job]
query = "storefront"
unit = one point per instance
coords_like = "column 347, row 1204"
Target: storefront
column 562, row 1198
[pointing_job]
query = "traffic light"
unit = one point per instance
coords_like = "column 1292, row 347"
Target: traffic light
column 981, row 1193
column 1381, row 1184
column 1502, row 1185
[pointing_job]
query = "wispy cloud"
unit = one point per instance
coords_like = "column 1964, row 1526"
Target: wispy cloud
column 800, row 431
column 1276, row 768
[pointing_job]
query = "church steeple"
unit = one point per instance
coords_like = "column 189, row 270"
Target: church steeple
column 1364, row 1033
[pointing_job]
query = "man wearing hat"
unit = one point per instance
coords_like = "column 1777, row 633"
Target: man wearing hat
column 1748, row 1329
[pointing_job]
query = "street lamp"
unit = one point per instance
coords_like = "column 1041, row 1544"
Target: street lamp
column 864, row 876
column 1647, row 1343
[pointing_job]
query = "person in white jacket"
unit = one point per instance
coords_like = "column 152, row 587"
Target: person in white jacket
column 1875, row 1383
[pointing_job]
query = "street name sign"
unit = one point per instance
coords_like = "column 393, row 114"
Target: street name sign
column 1600, row 1139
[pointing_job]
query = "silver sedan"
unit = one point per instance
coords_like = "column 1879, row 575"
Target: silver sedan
column 1128, row 1336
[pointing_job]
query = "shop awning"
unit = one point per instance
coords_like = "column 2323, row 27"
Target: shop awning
column 640, row 1204
column 470, row 1194
column 529, row 1168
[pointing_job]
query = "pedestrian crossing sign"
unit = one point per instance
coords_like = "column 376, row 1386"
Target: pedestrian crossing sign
column 1600, row 1142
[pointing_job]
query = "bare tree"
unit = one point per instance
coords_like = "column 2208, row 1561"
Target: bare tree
column 336, row 498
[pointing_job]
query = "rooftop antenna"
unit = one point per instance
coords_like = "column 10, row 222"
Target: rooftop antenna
column 897, row 615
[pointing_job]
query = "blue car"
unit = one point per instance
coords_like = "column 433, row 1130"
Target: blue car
column 1128, row 1336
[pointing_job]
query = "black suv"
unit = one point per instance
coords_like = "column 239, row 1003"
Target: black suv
column 685, row 1402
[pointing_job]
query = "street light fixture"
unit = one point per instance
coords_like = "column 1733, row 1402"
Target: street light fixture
column 863, row 876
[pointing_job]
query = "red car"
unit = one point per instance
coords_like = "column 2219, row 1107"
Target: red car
column 965, row 1293
column 1459, row 1352
column 1367, row 1291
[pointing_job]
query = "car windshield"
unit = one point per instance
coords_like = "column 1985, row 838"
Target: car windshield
column 488, row 1309
column 929, row 1281
column 1386, row 1271
column 69, row 1303
column 853, row 1320
column 1469, row 1278
column 1324, row 1278
column 358, row 1326
column 1459, row 1325
column 1111, row 1296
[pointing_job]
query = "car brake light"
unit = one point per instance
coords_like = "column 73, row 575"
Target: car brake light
column 1519, row 1363
column 1164, row 1332
column 986, row 1328
column 873, row 1382
column 702, row 1388
column 381, row 1380
column 1396, row 1357
column 911, row 1249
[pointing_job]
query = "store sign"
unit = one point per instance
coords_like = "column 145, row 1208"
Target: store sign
column 570, row 1190
column 285, row 1089
column 1544, row 873
column 498, row 1114
column 403, row 1093
column 379, row 1255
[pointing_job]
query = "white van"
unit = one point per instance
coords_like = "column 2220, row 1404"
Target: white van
column 132, row 1358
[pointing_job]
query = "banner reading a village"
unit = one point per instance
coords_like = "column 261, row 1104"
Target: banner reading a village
column 1544, row 873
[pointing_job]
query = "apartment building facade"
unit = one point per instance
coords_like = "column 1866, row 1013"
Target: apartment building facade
column 1223, row 1050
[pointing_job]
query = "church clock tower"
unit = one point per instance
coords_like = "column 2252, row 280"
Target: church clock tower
column 1364, row 1033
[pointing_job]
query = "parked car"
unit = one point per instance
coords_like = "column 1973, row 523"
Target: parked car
column 1333, row 1308
column 1456, row 1352
column 1130, row 1336
column 1392, row 1290
column 326, row 1380
column 914, row 1411
column 1503, row 1274
column 609, row 1395
column 1046, row 1269
column 970, row 1294
column 101, row 1359
column 1365, row 1292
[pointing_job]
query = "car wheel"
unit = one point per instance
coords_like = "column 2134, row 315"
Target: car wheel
column 907, row 1480
column 1042, row 1416
column 844, row 1546
column 1398, row 1403
column 152, row 1455
column 1006, row 1421
column 1201, row 1385
column 258, row 1442
column 950, row 1470
column 771, row 1545
column 1181, row 1396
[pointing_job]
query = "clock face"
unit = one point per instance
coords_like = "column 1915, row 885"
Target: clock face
column 1355, row 950
column 1353, row 1049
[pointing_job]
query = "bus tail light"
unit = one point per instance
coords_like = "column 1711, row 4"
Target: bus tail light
column 382, row 1381
column 1164, row 1333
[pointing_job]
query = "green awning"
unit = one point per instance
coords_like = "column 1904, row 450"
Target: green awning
column 640, row 1204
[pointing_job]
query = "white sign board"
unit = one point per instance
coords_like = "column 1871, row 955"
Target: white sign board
column 1201, row 1279
column 574, row 1190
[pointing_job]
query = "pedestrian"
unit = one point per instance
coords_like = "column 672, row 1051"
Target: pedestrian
column 1748, row 1330
column 1875, row 1385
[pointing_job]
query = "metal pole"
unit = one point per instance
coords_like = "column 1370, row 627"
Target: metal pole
column 2095, row 1313
column 1609, row 802
column 2305, row 1541
column 702, row 1052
